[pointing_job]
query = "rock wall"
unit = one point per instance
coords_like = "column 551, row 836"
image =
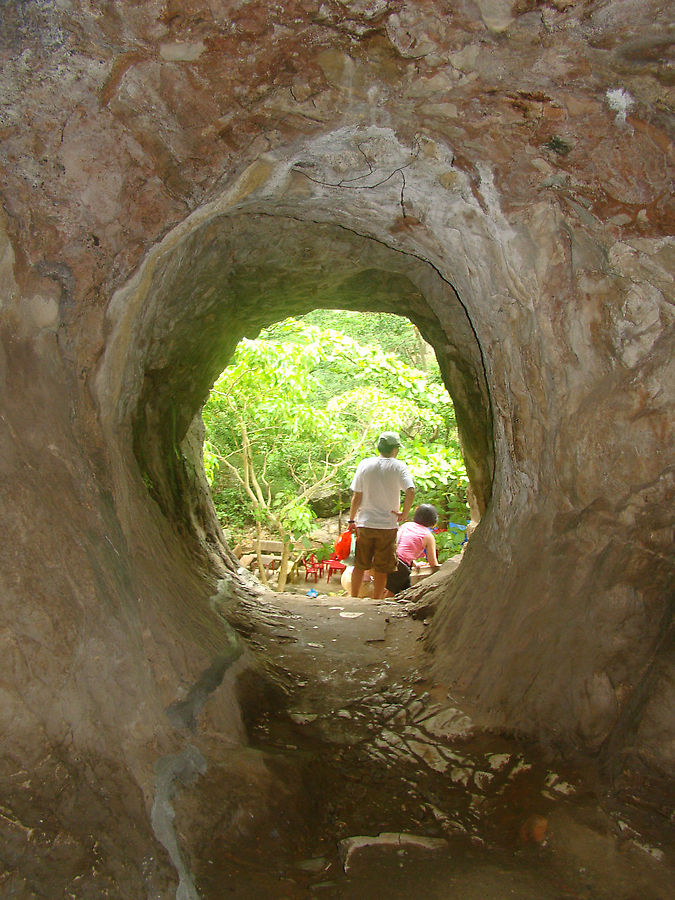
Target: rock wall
column 177, row 175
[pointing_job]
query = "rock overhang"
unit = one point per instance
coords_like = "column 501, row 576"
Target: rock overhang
column 281, row 242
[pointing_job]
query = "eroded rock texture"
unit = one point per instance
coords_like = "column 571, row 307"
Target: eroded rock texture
column 176, row 175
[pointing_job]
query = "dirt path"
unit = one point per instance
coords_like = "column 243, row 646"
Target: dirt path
column 402, row 791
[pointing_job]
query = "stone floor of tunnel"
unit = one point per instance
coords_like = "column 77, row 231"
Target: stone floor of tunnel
column 399, row 756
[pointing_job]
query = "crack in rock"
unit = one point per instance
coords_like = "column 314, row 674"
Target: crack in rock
column 183, row 768
column 183, row 714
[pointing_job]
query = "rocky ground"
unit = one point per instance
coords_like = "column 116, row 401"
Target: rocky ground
column 403, row 790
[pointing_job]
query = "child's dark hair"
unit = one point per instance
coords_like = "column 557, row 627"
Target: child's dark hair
column 426, row 515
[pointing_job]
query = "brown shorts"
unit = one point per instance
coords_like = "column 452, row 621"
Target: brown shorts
column 376, row 549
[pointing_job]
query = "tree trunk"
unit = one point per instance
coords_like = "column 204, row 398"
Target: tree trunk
column 262, row 573
column 283, row 566
column 423, row 350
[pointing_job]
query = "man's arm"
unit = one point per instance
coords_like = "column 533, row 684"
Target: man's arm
column 407, row 505
column 357, row 497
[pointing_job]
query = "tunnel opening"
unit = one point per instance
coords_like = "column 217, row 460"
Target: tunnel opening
column 232, row 277
column 289, row 419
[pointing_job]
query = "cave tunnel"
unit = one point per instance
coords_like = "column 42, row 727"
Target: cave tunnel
column 463, row 169
column 277, row 268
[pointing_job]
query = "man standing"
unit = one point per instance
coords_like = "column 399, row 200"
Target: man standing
column 374, row 512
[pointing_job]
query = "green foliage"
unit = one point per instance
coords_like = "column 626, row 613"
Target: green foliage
column 448, row 543
column 300, row 406
column 296, row 517
column 324, row 552
column 210, row 461
column 440, row 476
column 393, row 334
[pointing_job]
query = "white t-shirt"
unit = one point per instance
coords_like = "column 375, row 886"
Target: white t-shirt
column 380, row 479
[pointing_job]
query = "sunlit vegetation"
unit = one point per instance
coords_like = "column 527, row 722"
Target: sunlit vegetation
column 297, row 409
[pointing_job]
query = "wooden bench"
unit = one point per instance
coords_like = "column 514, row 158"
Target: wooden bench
column 270, row 556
